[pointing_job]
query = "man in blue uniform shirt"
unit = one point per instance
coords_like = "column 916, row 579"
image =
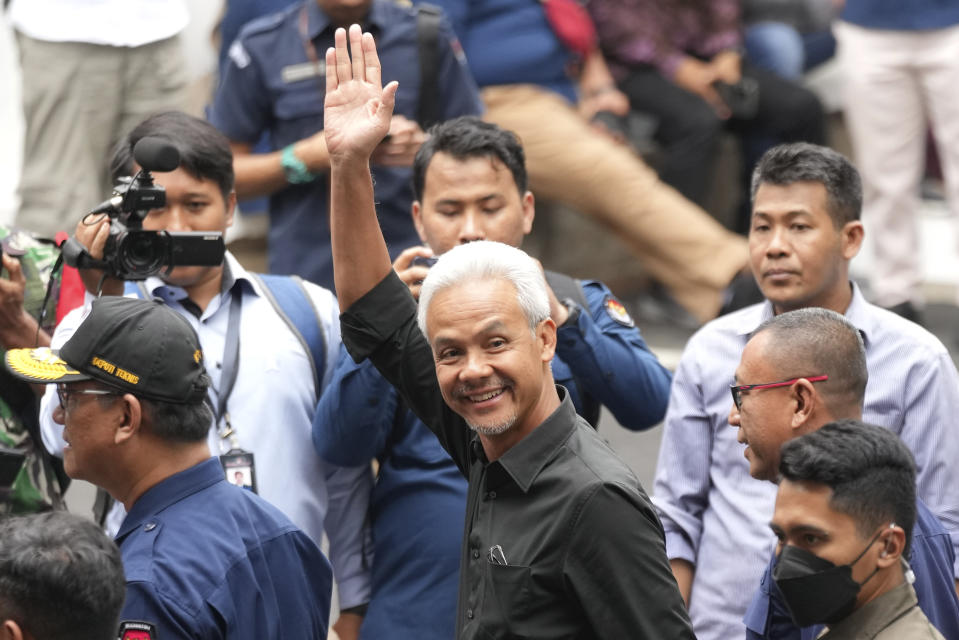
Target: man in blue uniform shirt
column 828, row 349
column 202, row 558
column 470, row 184
column 274, row 82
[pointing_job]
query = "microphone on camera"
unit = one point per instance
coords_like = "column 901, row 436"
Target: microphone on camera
column 156, row 154
column 152, row 154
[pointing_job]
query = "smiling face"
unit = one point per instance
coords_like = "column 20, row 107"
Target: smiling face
column 191, row 205
column 765, row 418
column 471, row 199
column 492, row 370
column 797, row 255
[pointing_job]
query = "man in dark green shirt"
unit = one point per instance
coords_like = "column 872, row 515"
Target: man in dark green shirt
column 560, row 538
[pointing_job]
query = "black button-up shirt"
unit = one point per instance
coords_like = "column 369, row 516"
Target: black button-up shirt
column 560, row 541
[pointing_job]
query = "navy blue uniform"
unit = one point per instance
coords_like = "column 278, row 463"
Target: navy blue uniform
column 205, row 559
column 931, row 557
column 270, row 85
column 419, row 499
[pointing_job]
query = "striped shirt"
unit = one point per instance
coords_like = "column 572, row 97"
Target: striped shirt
column 716, row 515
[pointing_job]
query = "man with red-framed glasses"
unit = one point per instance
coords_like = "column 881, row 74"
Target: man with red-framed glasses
column 828, row 352
column 805, row 230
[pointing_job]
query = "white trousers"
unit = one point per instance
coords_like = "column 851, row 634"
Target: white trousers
column 897, row 83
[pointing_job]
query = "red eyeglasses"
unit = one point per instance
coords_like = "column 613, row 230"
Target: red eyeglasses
column 737, row 389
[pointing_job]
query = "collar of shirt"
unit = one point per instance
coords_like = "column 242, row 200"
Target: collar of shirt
column 868, row 620
column 857, row 313
column 318, row 21
column 527, row 458
column 169, row 491
column 233, row 273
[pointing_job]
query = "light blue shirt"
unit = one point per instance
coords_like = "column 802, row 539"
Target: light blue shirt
column 271, row 409
column 716, row 515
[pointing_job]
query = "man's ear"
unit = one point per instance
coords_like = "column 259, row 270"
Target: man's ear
column 10, row 630
column 546, row 335
column 852, row 237
column 230, row 209
column 417, row 210
column 529, row 212
column 806, row 401
column 894, row 544
column 131, row 419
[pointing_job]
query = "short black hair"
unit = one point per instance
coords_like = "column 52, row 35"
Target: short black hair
column 871, row 473
column 815, row 341
column 469, row 137
column 204, row 152
column 61, row 578
column 180, row 422
column 786, row 164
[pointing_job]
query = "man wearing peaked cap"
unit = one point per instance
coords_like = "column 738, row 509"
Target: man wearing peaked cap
column 202, row 558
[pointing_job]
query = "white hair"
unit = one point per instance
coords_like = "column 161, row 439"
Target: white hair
column 485, row 260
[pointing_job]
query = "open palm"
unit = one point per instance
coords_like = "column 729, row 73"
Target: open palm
column 357, row 108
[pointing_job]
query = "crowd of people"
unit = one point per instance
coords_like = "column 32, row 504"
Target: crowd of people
column 805, row 485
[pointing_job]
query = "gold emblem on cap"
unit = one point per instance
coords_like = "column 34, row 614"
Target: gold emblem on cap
column 40, row 364
column 197, row 356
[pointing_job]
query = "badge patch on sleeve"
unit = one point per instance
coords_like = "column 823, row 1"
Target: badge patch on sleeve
column 136, row 630
column 616, row 311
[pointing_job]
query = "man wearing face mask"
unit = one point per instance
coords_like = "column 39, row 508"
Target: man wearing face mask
column 844, row 514
column 827, row 351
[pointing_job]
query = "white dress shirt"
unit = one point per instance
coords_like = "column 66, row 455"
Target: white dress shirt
column 119, row 23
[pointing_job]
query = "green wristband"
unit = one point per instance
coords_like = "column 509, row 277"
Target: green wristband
column 294, row 169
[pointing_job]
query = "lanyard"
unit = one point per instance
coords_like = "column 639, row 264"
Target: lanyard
column 231, row 359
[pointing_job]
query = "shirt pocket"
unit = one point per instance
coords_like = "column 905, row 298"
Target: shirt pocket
column 507, row 600
column 298, row 110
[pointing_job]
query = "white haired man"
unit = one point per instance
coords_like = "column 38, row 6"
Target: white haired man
column 560, row 538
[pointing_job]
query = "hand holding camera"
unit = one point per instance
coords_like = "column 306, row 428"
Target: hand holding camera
column 117, row 245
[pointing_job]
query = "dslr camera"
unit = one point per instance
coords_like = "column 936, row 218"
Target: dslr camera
column 132, row 253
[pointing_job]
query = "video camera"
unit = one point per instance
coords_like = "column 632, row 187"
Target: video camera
column 132, row 253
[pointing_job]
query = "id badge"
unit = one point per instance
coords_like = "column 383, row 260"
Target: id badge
column 239, row 469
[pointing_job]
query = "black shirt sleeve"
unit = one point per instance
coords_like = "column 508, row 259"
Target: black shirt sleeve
column 382, row 326
column 616, row 568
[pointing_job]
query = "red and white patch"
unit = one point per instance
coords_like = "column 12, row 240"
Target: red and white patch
column 616, row 311
column 136, row 630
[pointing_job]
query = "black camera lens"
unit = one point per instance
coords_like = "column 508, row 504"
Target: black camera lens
column 142, row 253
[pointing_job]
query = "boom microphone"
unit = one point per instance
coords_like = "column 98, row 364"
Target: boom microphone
column 156, row 154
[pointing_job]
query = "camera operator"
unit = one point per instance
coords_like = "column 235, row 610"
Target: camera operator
column 260, row 417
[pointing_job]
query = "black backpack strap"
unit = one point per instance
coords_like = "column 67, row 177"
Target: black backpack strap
column 427, row 36
column 566, row 287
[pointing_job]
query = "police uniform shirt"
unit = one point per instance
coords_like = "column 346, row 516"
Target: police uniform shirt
column 205, row 559
column 271, row 85
column 560, row 538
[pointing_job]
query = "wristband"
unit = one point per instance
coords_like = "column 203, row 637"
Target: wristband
column 294, row 169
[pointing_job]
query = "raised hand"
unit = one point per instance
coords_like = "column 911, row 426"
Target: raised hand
column 358, row 108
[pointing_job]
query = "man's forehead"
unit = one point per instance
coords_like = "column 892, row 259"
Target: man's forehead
column 795, row 198
column 449, row 173
column 475, row 303
column 804, row 504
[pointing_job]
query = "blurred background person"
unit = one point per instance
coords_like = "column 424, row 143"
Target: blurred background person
column 61, row 578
